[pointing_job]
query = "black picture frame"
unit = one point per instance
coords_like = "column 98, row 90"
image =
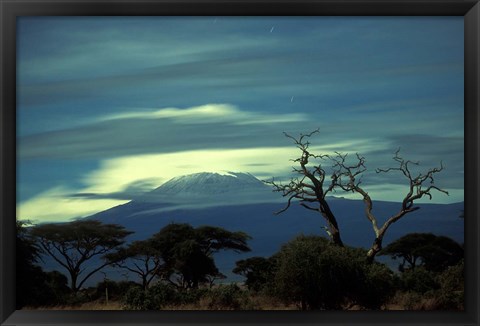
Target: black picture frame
column 10, row 9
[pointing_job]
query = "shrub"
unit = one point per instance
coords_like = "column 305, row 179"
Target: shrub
column 419, row 280
column 315, row 273
column 159, row 296
column 154, row 298
column 116, row 290
column 258, row 272
column 409, row 300
column 310, row 270
column 135, row 299
column 378, row 286
column 451, row 294
column 228, row 297
column 189, row 296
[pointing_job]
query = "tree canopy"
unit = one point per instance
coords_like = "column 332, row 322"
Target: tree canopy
column 188, row 252
column 140, row 257
column 73, row 244
column 433, row 252
column 258, row 271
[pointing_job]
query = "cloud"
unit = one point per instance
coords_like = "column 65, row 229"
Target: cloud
column 209, row 113
column 117, row 177
column 55, row 205
column 163, row 131
column 116, row 174
column 117, row 180
column 129, row 192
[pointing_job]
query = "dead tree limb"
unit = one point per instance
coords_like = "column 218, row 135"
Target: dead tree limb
column 420, row 186
column 310, row 188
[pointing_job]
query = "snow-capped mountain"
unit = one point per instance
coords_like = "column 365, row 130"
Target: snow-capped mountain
column 241, row 202
column 209, row 190
column 207, row 184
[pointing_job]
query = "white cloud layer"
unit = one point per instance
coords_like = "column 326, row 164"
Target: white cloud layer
column 116, row 175
column 208, row 113
column 54, row 205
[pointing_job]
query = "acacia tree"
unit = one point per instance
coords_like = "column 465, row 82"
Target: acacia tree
column 212, row 239
column 188, row 252
column 258, row 271
column 433, row 252
column 140, row 257
column 312, row 187
column 73, row 244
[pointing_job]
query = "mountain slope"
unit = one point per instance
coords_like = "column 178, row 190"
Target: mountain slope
column 240, row 202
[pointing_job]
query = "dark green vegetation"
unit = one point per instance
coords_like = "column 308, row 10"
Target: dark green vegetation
column 34, row 286
column 179, row 254
column 176, row 270
column 73, row 244
column 434, row 253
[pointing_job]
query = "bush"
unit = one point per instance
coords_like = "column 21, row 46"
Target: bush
column 154, row 298
column 409, row 300
column 159, row 296
column 378, row 286
column 135, row 299
column 425, row 290
column 315, row 273
column 116, row 290
column 228, row 297
column 189, row 296
column 44, row 289
column 310, row 270
column 419, row 280
column 258, row 272
column 451, row 294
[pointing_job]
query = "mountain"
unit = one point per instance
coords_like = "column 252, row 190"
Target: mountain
column 210, row 184
column 209, row 189
column 240, row 202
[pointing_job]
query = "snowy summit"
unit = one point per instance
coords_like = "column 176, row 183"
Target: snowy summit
column 209, row 189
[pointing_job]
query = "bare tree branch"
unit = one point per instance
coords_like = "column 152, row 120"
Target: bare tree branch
column 346, row 175
column 416, row 191
column 309, row 187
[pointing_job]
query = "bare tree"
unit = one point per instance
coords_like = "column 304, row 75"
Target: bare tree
column 310, row 188
column 420, row 186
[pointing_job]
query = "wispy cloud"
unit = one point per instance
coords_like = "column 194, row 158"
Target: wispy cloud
column 118, row 180
column 163, row 131
column 114, row 178
column 55, row 205
column 210, row 113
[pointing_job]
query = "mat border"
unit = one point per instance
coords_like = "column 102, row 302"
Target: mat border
column 10, row 9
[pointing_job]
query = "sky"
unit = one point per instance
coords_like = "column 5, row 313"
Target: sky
column 111, row 107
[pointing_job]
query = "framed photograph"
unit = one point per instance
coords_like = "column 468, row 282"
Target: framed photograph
column 222, row 162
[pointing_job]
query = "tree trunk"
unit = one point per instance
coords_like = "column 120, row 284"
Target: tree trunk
column 336, row 238
column 73, row 277
column 375, row 249
column 332, row 223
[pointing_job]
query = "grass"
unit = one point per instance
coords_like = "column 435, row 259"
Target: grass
column 94, row 305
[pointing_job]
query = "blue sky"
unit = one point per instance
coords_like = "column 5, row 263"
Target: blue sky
column 114, row 106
